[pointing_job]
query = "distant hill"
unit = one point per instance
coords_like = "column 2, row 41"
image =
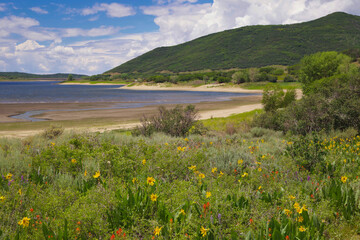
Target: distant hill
column 21, row 75
column 252, row 46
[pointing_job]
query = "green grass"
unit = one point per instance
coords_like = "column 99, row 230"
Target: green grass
column 261, row 85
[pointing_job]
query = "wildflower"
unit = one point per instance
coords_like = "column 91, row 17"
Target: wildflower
column 292, row 197
column 259, row 188
column 186, row 139
column 287, row 212
column 304, row 208
column 134, row 180
column 73, row 161
column 85, row 173
column 182, row 211
column 245, row 174
column 52, row 144
column 97, row 174
column 193, row 167
column 2, row 198
column 203, row 231
column 118, row 232
column 157, row 231
column 208, row 194
column 213, row 170
column 251, row 221
column 24, row 222
column 240, row 161
column 300, row 219
column 201, row 175
column 296, row 205
column 144, row 162
column 20, row 192
column 112, row 237
column 8, row 176
column 343, row 179
column 221, row 173
column 153, row 197
column 179, row 148
column 31, row 209
column 211, row 143
column 259, row 169
column 150, row 181
column 302, row 229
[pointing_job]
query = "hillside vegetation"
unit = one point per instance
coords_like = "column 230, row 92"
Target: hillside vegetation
column 21, row 75
column 252, row 46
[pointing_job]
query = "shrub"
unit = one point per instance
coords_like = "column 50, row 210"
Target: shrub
column 175, row 122
column 274, row 97
column 241, row 77
column 289, row 78
column 53, row 132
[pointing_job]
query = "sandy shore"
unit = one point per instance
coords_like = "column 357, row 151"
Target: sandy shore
column 110, row 119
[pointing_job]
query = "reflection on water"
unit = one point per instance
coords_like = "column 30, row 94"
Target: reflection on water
column 51, row 92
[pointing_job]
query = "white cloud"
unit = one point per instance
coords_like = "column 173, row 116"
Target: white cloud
column 2, row 7
column 28, row 45
column 115, row 10
column 39, row 10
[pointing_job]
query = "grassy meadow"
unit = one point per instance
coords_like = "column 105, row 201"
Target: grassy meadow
column 254, row 184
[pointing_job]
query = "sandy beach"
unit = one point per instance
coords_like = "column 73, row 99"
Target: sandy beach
column 110, row 119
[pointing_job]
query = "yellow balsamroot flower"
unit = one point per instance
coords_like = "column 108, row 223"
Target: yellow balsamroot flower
column 179, row 148
column 73, row 160
column 144, row 162
column 85, row 173
column 292, row 197
column 135, row 180
column 343, row 179
column 300, row 219
column 186, row 139
column 203, row 231
column 213, row 170
column 193, row 167
column 245, row 174
column 157, row 231
column 153, row 197
column 240, row 161
column 259, row 169
column 24, row 222
column 296, row 205
column 302, row 229
column 97, row 174
column 201, row 175
column 259, row 187
column 221, row 173
column 208, row 194
column 182, row 211
column 2, row 198
column 19, row 192
column 150, row 181
column 304, row 208
column 287, row 212
column 8, row 176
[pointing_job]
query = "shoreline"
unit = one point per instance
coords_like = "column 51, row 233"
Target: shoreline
column 164, row 87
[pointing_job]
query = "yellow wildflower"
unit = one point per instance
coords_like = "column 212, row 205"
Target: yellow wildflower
column 296, row 205
column 19, row 192
column 153, row 197
column 259, row 169
column 213, row 170
column 193, row 167
column 182, row 211
column 300, row 219
column 343, row 179
column 203, row 231
column 8, row 176
column 97, row 174
column 2, row 198
column 85, row 173
column 287, row 212
column 208, row 194
column 143, row 161
column 240, row 161
column 292, row 197
column 302, row 229
column 157, row 231
column 135, row 180
column 304, row 208
column 201, row 175
column 245, row 174
column 259, row 187
column 211, row 143
column 221, row 173
column 73, row 160
column 24, row 222
column 186, row 139
column 150, row 181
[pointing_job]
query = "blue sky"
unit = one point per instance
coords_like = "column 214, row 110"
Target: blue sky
column 91, row 36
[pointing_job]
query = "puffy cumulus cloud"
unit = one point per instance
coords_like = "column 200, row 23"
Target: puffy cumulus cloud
column 39, row 10
column 93, row 32
column 115, row 10
column 28, row 45
column 2, row 7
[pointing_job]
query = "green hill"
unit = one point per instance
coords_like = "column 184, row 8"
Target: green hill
column 21, row 75
column 252, row 46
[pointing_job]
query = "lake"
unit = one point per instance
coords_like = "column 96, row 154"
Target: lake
column 51, row 92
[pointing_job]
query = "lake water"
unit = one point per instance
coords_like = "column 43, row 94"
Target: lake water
column 52, row 92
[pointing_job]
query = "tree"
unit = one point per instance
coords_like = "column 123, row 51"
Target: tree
column 320, row 65
column 70, row 77
column 274, row 97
